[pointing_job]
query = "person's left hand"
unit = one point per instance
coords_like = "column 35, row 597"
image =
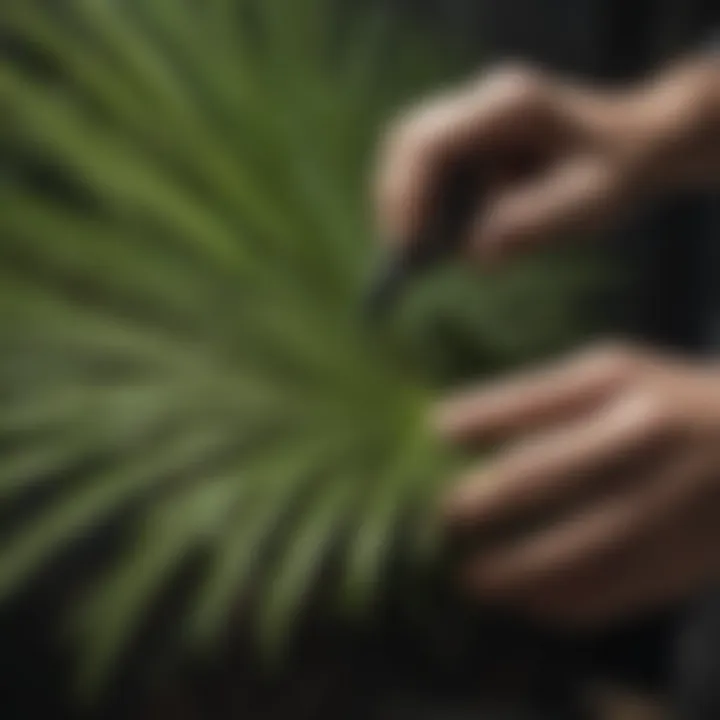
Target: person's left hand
column 630, row 441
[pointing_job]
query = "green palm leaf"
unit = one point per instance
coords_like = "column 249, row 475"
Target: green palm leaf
column 183, row 350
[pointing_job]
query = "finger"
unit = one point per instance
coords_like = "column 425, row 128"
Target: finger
column 460, row 125
column 669, row 568
column 578, row 196
column 555, row 465
column 539, row 398
column 573, row 562
column 665, row 569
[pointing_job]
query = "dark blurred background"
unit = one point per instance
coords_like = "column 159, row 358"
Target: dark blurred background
column 669, row 251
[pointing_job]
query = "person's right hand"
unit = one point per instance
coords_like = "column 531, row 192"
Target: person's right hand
column 552, row 158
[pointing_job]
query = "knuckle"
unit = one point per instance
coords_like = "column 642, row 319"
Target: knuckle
column 650, row 412
column 517, row 81
column 412, row 131
column 402, row 153
column 408, row 155
column 400, row 137
column 396, row 137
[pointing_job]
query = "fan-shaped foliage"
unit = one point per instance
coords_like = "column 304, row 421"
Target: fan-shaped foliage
column 183, row 242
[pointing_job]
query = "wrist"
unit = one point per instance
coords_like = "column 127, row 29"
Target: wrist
column 676, row 126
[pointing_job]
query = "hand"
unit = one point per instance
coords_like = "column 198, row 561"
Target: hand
column 627, row 444
column 553, row 158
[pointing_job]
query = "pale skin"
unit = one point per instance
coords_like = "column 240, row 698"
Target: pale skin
column 625, row 439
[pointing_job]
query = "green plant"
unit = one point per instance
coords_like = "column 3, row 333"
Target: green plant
column 183, row 351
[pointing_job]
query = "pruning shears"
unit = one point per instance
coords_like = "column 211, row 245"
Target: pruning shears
column 440, row 240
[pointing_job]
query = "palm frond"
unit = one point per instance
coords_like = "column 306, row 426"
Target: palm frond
column 182, row 346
